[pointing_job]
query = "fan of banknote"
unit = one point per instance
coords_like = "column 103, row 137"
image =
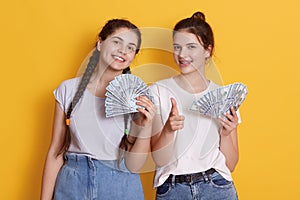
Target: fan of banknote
column 218, row 101
column 122, row 93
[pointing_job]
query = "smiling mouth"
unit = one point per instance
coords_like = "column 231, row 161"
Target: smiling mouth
column 184, row 62
column 118, row 58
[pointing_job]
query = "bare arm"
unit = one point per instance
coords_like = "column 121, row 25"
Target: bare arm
column 163, row 142
column 138, row 141
column 53, row 161
column 229, row 141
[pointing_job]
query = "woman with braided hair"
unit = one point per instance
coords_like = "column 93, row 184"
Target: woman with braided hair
column 83, row 161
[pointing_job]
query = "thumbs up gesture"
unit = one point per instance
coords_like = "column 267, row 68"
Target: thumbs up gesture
column 175, row 121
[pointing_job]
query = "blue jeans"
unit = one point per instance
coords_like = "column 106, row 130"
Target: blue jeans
column 214, row 188
column 84, row 178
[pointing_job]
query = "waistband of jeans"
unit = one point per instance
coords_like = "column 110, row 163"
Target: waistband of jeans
column 190, row 178
column 78, row 159
column 85, row 158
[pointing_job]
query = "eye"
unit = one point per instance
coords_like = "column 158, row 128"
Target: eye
column 131, row 48
column 192, row 46
column 177, row 48
column 116, row 42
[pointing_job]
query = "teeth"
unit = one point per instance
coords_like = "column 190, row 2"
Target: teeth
column 184, row 62
column 118, row 58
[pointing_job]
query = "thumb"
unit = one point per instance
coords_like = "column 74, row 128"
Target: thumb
column 174, row 109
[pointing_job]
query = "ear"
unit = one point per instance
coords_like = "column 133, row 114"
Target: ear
column 99, row 42
column 208, row 52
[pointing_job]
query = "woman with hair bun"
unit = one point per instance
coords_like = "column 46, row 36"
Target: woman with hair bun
column 194, row 154
column 83, row 161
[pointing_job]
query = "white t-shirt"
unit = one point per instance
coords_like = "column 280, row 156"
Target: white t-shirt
column 197, row 144
column 92, row 134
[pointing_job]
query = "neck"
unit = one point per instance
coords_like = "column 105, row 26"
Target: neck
column 101, row 79
column 193, row 82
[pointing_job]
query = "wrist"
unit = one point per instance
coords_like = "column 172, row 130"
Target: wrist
column 226, row 133
column 127, row 141
column 140, row 131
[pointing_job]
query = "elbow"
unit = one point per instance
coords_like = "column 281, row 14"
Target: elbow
column 135, row 163
column 160, row 159
column 133, row 170
column 231, row 166
column 159, row 164
column 131, row 167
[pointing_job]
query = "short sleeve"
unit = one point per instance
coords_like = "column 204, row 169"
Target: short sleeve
column 64, row 93
column 157, row 121
column 155, row 94
column 59, row 94
column 162, row 92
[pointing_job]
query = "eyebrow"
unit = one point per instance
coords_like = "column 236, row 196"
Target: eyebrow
column 123, row 40
column 186, row 44
column 192, row 43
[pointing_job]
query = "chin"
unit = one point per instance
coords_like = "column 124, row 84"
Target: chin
column 118, row 67
column 185, row 71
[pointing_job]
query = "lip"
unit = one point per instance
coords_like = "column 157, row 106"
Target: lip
column 118, row 58
column 184, row 63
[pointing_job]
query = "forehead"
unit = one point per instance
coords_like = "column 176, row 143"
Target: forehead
column 125, row 34
column 185, row 37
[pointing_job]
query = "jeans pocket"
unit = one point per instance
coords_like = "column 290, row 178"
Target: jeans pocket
column 220, row 182
column 163, row 189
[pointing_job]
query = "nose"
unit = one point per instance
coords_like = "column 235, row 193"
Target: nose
column 182, row 53
column 122, row 49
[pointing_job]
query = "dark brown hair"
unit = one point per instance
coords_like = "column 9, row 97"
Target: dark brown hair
column 109, row 28
column 197, row 25
column 112, row 25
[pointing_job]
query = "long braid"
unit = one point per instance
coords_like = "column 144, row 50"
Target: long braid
column 123, row 146
column 84, row 80
column 126, row 116
column 94, row 59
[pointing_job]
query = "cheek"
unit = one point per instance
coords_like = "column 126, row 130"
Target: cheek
column 130, row 58
column 109, row 48
column 175, row 56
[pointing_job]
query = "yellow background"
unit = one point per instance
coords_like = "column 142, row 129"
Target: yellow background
column 257, row 43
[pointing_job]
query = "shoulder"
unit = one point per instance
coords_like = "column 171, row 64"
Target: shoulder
column 213, row 85
column 163, row 90
column 65, row 91
column 70, row 82
column 163, row 83
column 67, row 87
column 164, row 86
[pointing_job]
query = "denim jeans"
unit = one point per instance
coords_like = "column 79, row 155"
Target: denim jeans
column 214, row 188
column 84, row 178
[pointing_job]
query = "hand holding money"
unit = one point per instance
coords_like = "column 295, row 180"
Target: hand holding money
column 229, row 123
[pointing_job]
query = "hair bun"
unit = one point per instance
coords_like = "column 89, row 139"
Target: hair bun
column 198, row 15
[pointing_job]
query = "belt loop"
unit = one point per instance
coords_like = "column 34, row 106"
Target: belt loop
column 173, row 180
column 65, row 157
column 206, row 178
column 90, row 162
column 76, row 160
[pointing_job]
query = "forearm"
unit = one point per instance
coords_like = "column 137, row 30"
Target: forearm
column 138, row 146
column 229, row 147
column 137, row 154
column 162, row 146
column 52, row 166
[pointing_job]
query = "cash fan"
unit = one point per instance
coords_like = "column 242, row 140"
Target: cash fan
column 122, row 93
column 218, row 101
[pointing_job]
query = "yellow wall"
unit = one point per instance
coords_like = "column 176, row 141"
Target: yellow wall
column 257, row 43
